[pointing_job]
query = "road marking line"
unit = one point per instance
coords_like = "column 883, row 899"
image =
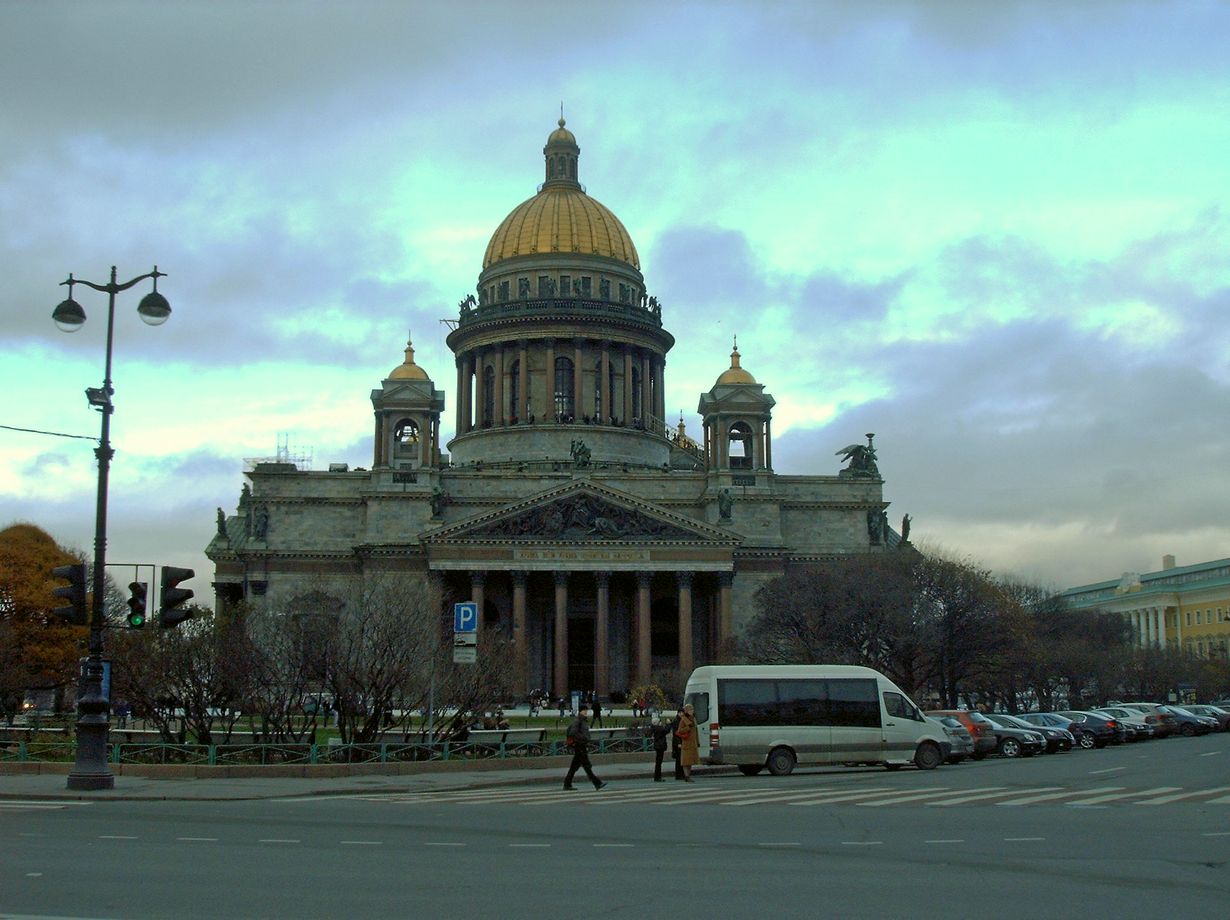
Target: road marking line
column 1099, row 799
column 1022, row 839
column 199, row 839
column 40, row 875
column 944, row 841
column 29, row 806
column 862, row 843
column 1167, row 799
column 1211, row 754
column 1004, row 791
column 277, row 840
column 1107, row 770
column 361, row 843
column 911, row 797
column 45, row 803
column 433, row 844
column 1216, row 834
column 824, row 798
column 115, row 837
column 1050, row 796
column 612, row 845
column 527, row 846
column 781, row 844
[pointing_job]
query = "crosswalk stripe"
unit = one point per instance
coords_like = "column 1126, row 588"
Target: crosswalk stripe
column 912, row 797
column 1052, row 796
column 991, row 792
column 818, row 797
column 835, row 798
column 1115, row 796
column 1167, row 799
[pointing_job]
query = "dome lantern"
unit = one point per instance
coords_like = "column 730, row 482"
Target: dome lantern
column 561, row 154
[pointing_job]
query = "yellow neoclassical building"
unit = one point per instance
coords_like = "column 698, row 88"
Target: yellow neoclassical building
column 1185, row 607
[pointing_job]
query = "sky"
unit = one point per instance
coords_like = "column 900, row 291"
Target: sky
column 995, row 234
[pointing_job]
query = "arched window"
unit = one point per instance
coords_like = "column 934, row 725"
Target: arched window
column 565, row 408
column 740, row 446
column 406, row 438
column 514, row 388
column 488, row 395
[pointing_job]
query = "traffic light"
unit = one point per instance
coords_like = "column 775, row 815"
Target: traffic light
column 173, row 597
column 74, row 592
column 136, row 604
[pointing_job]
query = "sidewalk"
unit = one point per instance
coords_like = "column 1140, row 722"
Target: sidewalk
column 48, row 786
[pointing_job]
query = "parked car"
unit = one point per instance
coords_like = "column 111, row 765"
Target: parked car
column 976, row 724
column 958, row 735
column 1011, row 741
column 1214, row 712
column 1164, row 724
column 1057, row 739
column 1053, row 720
column 1191, row 724
column 1106, row 730
column 1134, row 721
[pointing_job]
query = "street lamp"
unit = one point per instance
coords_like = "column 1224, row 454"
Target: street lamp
column 93, row 724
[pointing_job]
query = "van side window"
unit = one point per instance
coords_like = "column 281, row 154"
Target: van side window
column 898, row 706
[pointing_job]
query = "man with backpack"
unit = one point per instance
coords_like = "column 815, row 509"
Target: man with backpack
column 578, row 740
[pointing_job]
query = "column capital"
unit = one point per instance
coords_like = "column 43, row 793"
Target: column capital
column 643, row 579
column 478, row 578
column 684, row 578
column 602, row 578
column 519, row 579
column 561, row 579
column 726, row 579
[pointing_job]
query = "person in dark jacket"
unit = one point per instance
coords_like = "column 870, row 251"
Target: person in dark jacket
column 658, row 731
column 578, row 738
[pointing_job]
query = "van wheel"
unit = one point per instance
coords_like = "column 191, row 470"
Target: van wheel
column 750, row 769
column 781, row 761
column 928, row 756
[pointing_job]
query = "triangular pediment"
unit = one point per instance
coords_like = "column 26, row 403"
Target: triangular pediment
column 581, row 512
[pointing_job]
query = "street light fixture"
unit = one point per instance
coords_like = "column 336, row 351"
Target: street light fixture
column 93, row 724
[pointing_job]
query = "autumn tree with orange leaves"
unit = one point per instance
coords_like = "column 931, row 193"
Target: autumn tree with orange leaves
column 38, row 650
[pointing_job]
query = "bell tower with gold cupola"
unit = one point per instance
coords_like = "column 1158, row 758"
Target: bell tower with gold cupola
column 737, row 415
column 407, row 408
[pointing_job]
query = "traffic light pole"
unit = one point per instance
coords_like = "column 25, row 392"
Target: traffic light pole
column 91, row 770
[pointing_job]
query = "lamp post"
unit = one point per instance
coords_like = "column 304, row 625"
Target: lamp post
column 93, row 724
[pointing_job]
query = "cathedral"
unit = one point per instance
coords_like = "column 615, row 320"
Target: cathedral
column 603, row 543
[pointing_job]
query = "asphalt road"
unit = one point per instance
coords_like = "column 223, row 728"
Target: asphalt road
column 1140, row 831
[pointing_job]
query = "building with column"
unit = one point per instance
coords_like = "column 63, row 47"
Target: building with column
column 600, row 542
column 1182, row 607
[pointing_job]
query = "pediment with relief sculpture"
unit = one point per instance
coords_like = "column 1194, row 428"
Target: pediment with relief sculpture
column 581, row 513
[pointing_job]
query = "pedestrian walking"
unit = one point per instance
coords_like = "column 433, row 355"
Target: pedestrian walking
column 689, row 746
column 578, row 740
column 676, row 745
column 597, row 710
column 658, row 731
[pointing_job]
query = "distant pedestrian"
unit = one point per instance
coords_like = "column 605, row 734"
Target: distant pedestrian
column 578, row 740
column 563, row 707
column 689, row 745
column 597, row 710
column 676, row 745
column 659, row 732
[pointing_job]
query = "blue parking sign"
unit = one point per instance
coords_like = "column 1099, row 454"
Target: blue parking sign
column 465, row 617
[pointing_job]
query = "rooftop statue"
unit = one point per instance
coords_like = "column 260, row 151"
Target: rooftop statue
column 862, row 459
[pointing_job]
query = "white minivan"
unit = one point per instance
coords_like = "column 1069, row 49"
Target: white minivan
column 777, row 716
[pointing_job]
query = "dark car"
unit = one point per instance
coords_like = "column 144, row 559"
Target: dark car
column 1011, row 741
column 1191, row 724
column 1103, row 730
column 1213, row 712
column 1057, row 739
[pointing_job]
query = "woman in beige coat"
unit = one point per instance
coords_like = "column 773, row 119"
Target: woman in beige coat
column 689, row 749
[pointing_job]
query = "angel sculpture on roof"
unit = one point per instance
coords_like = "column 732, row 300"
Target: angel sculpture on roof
column 861, row 459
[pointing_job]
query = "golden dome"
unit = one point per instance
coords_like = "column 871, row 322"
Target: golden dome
column 408, row 370
column 735, row 373
column 561, row 217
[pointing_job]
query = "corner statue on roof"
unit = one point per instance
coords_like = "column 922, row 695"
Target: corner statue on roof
column 861, row 458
